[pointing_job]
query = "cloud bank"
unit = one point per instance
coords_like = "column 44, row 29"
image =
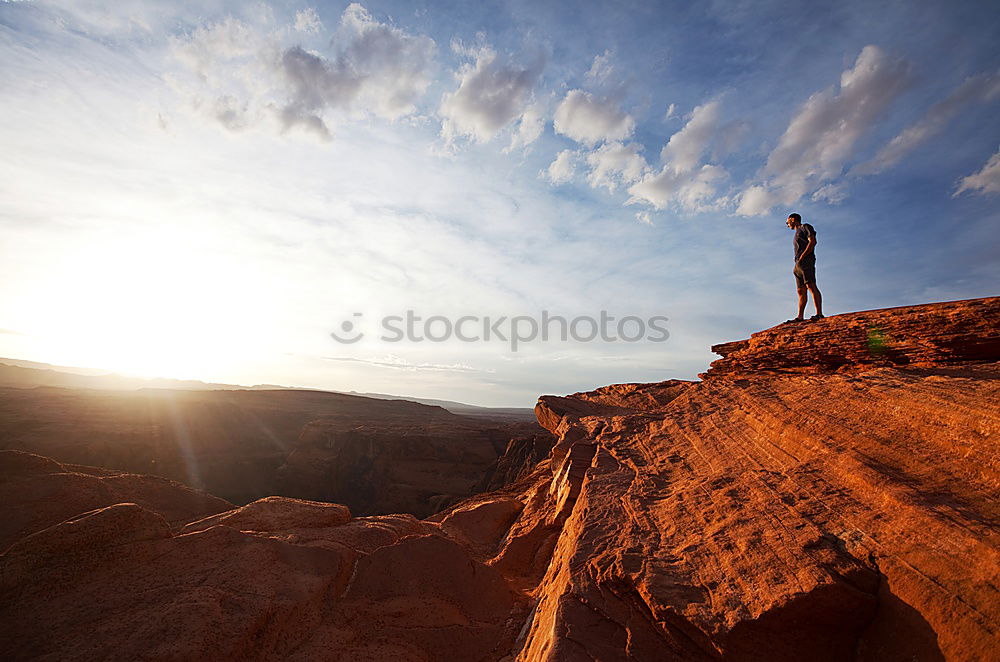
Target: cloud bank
column 976, row 89
column 821, row 137
column 246, row 74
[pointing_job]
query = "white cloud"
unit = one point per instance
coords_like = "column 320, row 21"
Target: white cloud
column 821, row 137
column 209, row 46
column 691, row 190
column 671, row 112
column 683, row 178
column 644, row 217
column 590, row 120
column 684, row 150
column 601, row 69
column 247, row 73
column 308, row 21
column 615, row 164
column 561, row 170
column 832, row 193
column 393, row 65
column 529, row 127
column 975, row 89
column 986, row 181
column 399, row 363
column 492, row 93
column 314, row 84
column 756, row 201
column 231, row 112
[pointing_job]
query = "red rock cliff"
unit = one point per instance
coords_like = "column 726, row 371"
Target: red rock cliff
column 791, row 506
column 830, row 492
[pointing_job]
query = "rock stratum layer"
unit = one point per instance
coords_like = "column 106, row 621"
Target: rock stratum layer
column 773, row 511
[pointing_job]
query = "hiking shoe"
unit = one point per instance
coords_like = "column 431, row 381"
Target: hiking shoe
column 794, row 320
column 816, row 317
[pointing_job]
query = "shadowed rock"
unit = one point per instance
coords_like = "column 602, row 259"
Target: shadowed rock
column 38, row 492
column 371, row 454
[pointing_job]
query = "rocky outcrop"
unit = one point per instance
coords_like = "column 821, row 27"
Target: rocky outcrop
column 932, row 334
column 769, row 512
column 38, row 492
column 276, row 579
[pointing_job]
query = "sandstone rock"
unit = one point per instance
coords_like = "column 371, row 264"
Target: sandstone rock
column 38, row 492
column 14, row 464
column 114, row 582
column 482, row 525
column 931, row 334
column 779, row 510
column 807, row 515
column 86, row 537
column 277, row 514
column 522, row 455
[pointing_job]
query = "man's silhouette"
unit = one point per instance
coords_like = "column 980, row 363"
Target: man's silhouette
column 804, row 244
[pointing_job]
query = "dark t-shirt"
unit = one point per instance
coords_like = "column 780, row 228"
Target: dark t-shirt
column 801, row 239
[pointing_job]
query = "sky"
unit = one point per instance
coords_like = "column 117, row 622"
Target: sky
column 210, row 189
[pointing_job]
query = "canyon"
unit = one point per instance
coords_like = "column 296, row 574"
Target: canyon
column 374, row 455
column 826, row 491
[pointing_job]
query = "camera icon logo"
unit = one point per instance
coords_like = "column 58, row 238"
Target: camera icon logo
column 347, row 327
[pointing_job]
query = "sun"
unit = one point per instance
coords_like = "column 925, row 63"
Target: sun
column 149, row 304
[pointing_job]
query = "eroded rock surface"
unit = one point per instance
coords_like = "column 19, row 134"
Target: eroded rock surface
column 826, row 512
column 276, row 579
column 38, row 492
column 783, row 514
column 933, row 334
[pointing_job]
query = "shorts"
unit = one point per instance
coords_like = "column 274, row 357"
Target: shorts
column 805, row 273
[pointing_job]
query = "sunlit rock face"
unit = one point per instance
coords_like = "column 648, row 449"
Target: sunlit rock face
column 782, row 513
column 936, row 334
column 819, row 497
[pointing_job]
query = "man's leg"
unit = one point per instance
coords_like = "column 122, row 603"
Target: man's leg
column 817, row 299
column 800, row 287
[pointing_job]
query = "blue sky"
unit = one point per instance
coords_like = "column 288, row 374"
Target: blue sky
column 207, row 190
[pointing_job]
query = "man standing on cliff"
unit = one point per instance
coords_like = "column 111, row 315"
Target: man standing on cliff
column 804, row 244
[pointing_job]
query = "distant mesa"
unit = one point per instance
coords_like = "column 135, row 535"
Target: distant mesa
column 377, row 455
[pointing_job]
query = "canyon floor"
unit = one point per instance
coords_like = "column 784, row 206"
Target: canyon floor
column 827, row 491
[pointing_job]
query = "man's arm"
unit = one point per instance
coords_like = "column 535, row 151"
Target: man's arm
column 807, row 251
column 810, row 244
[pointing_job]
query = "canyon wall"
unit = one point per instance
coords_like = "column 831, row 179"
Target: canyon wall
column 375, row 455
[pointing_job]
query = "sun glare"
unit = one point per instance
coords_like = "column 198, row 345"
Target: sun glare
column 150, row 305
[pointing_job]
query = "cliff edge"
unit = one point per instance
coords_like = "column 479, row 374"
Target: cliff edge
column 830, row 491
